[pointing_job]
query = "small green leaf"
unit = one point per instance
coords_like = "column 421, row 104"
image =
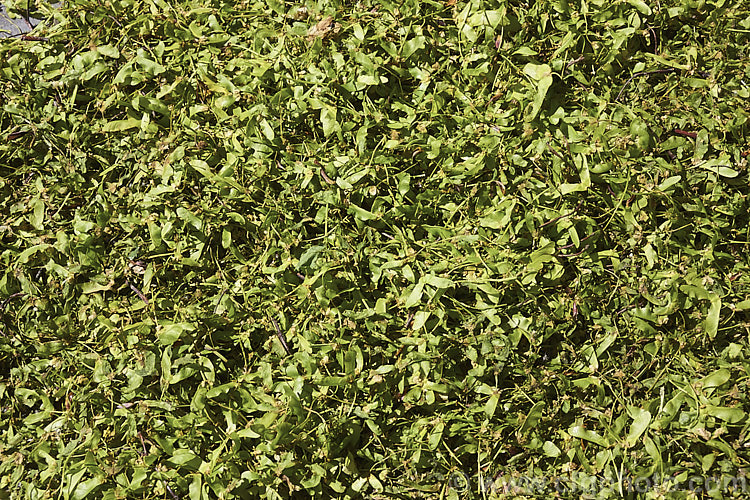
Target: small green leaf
column 653, row 451
column 642, row 6
column 85, row 488
column 359, row 483
column 412, row 45
column 729, row 415
column 24, row 256
column 537, row 71
column 501, row 215
column 121, row 125
column 719, row 166
column 183, row 457
column 375, row 483
column 361, row 213
column 169, row 333
column 226, row 238
column 491, row 405
column 307, row 259
column 669, row 182
column 108, row 51
column 716, row 378
column 587, row 435
column 246, row 433
column 328, row 119
column 641, row 421
column 551, row 450
column 415, row 297
column 436, row 436
column 437, row 282
column 37, row 215
column 712, row 319
column 533, row 417
column 525, row 51
column 542, row 74
column 420, row 318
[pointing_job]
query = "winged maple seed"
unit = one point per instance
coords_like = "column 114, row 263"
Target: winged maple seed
column 325, row 28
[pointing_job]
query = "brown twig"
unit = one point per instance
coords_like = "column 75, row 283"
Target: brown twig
column 655, row 38
column 554, row 151
column 573, row 244
column 575, row 61
column 325, row 177
column 15, row 135
column 27, row 17
column 643, row 73
column 280, row 335
column 170, row 491
column 218, row 302
column 137, row 292
column 408, row 320
column 631, row 306
column 10, row 297
column 685, row 133
column 143, row 444
column 562, row 216
column 574, row 254
column 32, row 38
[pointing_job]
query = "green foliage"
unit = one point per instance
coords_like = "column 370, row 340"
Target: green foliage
column 498, row 237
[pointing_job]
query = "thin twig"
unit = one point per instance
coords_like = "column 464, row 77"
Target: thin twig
column 562, row 216
column 685, row 133
column 575, row 61
column 572, row 62
column 280, row 335
column 631, row 306
column 555, row 152
column 10, row 297
column 573, row 244
column 27, row 18
column 170, row 491
column 574, row 254
column 33, row 38
column 137, row 292
column 218, row 302
column 143, row 444
column 643, row 73
column 325, row 177
column 408, row 320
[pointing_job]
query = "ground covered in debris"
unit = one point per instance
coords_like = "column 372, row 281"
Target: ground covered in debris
column 420, row 249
